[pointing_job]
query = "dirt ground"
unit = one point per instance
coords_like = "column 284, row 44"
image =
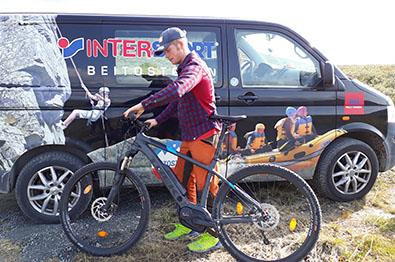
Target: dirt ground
column 362, row 230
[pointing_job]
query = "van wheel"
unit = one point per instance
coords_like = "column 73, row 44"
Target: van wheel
column 347, row 170
column 40, row 183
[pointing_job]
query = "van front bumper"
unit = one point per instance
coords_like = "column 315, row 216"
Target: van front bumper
column 390, row 146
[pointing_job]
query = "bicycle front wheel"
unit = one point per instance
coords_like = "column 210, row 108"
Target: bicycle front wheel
column 105, row 232
column 284, row 228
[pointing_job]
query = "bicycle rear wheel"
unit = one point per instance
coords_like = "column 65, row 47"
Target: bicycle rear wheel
column 99, row 232
column 286, row 228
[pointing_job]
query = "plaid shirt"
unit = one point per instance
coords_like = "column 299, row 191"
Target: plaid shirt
column 190, row 97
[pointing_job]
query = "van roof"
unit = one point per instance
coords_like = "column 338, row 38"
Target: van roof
column 130, row 17
column 170, row 20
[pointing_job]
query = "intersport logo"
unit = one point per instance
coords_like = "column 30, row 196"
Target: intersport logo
column 70, row 49
column 113, row 47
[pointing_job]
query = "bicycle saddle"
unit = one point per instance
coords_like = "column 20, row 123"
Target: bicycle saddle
column 231, row 119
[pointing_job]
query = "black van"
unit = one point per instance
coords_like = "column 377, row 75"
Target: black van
column 303, row 113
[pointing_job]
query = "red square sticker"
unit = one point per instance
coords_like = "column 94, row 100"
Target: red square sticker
column 354, row 103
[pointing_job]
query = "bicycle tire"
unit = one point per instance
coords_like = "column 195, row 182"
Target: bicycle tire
column 67, row 217
column 284, row 174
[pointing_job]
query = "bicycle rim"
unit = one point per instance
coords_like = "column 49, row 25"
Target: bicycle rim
column 105, row 232
column 287, row 226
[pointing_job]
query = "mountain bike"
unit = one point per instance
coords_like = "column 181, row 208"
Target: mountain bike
column 261, row 212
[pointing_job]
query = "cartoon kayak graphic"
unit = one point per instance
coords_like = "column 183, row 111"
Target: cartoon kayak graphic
column 302, row 152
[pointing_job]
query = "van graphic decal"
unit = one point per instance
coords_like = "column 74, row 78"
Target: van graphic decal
column 70, row 49
column 354, row 103
column 297, row 145
column 166, row 157
column 113, row 47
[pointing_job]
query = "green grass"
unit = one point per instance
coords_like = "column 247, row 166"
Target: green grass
column 9, row 251
column 381, row 77
column 374, row 246
column 385, row 225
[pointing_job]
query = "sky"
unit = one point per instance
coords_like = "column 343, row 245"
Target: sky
column 345, row 31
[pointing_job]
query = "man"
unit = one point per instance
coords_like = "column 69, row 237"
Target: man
column 191, row 98
column 103, row 103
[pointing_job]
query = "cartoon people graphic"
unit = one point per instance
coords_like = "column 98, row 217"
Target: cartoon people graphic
column 304, row 125
column 103, row 101
column 286, row 136
column 256, row 139
column 229, row 146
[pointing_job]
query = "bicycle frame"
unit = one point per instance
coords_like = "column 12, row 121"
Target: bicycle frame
column 168, row 177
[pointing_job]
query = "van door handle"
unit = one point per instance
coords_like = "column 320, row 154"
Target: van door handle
column 217, row 98
column 248, row 98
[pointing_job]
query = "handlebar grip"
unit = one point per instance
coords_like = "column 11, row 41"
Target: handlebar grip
column 132, row 117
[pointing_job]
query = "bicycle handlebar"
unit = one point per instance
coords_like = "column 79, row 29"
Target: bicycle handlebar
column 135, row 122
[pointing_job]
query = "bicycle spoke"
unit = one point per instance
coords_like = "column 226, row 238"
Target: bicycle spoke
column 102, row 229
column 274, row 231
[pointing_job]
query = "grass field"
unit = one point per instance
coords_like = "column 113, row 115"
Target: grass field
column 362, row 230
column 381, row 77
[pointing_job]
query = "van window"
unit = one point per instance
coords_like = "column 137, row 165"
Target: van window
column 146, row 70
column 271, row 59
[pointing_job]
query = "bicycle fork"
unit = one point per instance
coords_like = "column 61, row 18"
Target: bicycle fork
column 119, row 178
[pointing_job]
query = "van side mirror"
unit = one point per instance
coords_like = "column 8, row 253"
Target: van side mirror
column 328, row 74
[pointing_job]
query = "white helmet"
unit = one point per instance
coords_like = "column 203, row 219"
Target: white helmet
column 104, row 90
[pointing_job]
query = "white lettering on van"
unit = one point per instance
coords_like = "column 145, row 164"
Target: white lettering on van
column 91, row 70
column 104, row 71
column 151, row 71
column 213, row 71
column 125, row 70
column 138, row 71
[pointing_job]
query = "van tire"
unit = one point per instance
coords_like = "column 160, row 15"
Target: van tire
column 29, row 176
column 330, row 177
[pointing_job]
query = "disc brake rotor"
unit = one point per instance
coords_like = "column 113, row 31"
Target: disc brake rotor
column 97, row 211
column 268, row 219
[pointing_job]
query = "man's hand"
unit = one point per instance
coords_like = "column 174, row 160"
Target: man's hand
column 151, row 123
column 137, row 109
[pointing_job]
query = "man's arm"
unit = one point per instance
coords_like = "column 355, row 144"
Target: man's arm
column 169, row 111
column 95, row 97
column 186, row 81
column 249, row 140
column 296, row 127
column 287, row 128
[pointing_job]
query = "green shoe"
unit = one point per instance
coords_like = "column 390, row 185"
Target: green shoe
column 204, row 243
column 180, row 231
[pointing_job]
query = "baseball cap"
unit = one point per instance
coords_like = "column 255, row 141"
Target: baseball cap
column 168, row 36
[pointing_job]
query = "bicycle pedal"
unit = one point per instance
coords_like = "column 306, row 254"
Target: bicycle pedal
column 212, row 232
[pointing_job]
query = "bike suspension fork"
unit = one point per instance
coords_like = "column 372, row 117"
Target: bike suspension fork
column 119, row 177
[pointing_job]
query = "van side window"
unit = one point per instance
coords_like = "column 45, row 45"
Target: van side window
column 146, row 70
column 270, row 59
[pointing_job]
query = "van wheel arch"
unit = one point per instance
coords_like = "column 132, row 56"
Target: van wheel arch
column 371, row 136
column 43, row 172
column 324, row 176
column 375, row 142
column 30, row 154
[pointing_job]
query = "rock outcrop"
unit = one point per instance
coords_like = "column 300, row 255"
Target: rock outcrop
column 34, row 85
